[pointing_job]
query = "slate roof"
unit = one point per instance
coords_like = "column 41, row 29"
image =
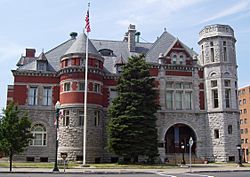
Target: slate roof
column 79, row 46
column 119, row 48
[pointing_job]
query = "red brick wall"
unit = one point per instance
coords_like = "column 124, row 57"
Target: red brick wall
column 178, row 73
column 37, row 79
column 202, row 100
column 20, row 94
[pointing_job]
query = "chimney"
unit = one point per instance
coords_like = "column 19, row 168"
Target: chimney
column 137, row 37
column 131, row 38
column 30, row 52
column 73, row 35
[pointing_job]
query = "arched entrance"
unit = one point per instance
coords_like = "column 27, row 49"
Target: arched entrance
column 177, row 136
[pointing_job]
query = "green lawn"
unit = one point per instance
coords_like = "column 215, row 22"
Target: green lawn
column 74, row 165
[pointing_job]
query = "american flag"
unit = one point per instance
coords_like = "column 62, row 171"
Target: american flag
column 87, row 26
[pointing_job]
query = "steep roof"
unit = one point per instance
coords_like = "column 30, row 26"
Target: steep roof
column 119, row 48
column 161, row 45
column 164, row 44
column 79, row 46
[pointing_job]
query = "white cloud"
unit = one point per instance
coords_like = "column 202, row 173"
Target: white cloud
column 152, row 12
column 234, row 9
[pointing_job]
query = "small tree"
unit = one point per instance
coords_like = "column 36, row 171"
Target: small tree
column 132, row 126
column 14, row 131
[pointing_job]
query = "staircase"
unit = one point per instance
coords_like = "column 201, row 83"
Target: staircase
column 176, row 158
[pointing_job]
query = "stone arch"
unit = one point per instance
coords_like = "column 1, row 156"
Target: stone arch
column 212, row 74
column 178, row 134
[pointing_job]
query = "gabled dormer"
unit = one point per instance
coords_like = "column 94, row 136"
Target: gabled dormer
column 119, row 63
column 179, row 54
column 41, row 62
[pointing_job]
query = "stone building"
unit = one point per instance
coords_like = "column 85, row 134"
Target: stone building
column 244, row 105
column 197, row 94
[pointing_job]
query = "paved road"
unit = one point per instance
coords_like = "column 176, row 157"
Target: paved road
column 218, row 174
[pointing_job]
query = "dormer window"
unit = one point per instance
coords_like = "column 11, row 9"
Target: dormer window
column 41, row 66
column 181, row 59
column 174, row 59
column 106, row 52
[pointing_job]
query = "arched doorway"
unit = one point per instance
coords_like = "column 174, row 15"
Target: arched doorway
column 177, row 136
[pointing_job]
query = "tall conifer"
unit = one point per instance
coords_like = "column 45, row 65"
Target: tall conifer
column 132, row 122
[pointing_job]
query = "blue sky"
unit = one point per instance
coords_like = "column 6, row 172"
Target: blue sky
column 43, row 24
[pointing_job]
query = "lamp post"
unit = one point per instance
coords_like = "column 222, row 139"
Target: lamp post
column 239, row 148
column 57, row 108
column 183, row 148
column 191, row 142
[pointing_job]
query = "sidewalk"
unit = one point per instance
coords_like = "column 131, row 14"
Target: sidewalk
column 173, row 170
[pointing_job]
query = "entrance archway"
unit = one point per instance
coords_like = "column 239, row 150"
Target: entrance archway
column 177, row 135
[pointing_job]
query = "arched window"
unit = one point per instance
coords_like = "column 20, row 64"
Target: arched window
column 181, row 59
column 106, row 52
column 39, row 135
column 174, row 59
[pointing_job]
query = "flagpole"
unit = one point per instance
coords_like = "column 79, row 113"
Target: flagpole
column 85, row 98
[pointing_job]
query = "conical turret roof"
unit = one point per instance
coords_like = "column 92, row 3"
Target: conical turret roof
column 79, row 46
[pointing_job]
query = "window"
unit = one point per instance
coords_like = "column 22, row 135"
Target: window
column 246, row 131
column 181, row 59
column 39, row 134
column 245, row 121
column 240, row 102
column 187, row 85
column 112, row 94
column 242, row 141
column 97, row 118
column 216, row 134
column 47, row 96
column 97, row 64
column 241, row 131
column 246, row 140
column 188, row 100
column 66, row 118
column 202, row 56
column 178, row 85
column 214, row 83
column 244, row 101
column 224, row 43
column 227, row 83
column 240, row 111
column 81, row 118
column 225, row 53
column 169, row 84
column 215, row 98
column 174, row 59
column 169, row 99
column 178, row 100
column 241, row 121
column 245, row 111
column 97, row 88
column 41, row 66
column 66, row 86
column 106, row 52
column 33, row 93
column 227, row 97
column 81, row 86
column 230, row 129
column 212, row 54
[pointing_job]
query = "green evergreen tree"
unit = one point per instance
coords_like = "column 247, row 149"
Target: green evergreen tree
column 14, row 131
column 132, row 122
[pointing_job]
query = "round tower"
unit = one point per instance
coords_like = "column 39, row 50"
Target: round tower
column 72, row 99
column 218, row 57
